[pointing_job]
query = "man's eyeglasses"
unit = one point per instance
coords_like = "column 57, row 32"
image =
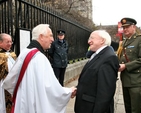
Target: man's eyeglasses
column 8, row 42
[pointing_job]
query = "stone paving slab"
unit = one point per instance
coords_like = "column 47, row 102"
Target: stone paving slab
column 70, row 106
column 119, row 104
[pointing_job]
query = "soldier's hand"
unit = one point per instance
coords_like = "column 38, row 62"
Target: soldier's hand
column 122, row 67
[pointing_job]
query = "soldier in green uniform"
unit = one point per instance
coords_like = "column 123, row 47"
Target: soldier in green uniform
column 130, row 66
column 7, row 59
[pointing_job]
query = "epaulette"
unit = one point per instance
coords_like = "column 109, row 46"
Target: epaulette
column 136, row 35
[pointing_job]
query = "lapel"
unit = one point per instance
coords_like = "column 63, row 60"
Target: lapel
column 87, row 65
column 93, row 61
column 129, row 41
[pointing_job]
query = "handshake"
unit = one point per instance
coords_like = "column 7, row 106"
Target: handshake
column 74, row 89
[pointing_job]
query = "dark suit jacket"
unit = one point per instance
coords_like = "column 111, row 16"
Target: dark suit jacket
column 97, row 83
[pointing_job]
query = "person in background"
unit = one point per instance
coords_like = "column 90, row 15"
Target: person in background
column 97, row 82
column 130, row 66
column 114, row 46
column 7, row 59
column 89, row 53
column 59, row 54
column 39, row 90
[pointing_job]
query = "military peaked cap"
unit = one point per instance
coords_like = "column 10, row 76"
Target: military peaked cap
column 60, row 32
column 128, row 21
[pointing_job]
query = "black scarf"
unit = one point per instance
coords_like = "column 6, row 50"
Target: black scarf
column 36, row 44
column 3, row 50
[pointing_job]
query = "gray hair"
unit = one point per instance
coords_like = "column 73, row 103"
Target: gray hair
column 104, row 34
column 2, row 35
column 39, row 29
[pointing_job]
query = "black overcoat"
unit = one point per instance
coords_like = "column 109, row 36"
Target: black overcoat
column 97, row 83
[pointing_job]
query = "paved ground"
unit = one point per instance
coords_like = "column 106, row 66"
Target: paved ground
column 70, row 106
column 119, row 105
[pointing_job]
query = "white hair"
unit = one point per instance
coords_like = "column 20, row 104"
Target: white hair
column 39, row 29
column 104, row 34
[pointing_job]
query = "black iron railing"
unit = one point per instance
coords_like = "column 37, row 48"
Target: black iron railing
column 27, row 14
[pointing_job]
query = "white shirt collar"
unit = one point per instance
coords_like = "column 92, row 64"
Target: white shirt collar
column 100, row 49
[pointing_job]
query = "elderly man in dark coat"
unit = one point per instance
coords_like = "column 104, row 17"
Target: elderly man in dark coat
column 97, row 82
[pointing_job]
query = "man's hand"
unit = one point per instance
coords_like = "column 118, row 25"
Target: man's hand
column 74, row 89
column 122, row 67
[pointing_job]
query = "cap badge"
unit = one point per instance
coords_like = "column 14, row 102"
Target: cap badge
column 123, row 21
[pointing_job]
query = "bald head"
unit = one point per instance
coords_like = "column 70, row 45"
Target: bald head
column 103, row 34
column 5, row 41
column 98, row 39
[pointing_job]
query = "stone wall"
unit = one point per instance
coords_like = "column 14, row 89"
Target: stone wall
column 74, row 70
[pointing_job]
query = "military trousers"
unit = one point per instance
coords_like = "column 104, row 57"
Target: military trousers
column 132, row 99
